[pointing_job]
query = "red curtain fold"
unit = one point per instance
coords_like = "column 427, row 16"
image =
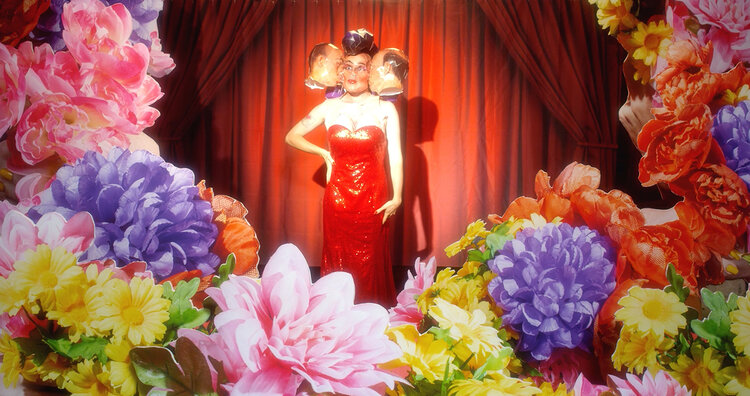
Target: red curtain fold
column 569, row 61
column 474, row 132
column 205, row 38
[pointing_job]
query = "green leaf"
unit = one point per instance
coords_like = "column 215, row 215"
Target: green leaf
column 714, row 301
column 182, row 312
column 496, row 240
column 494, row 362
column 186, row 372
column 475, row 255
column 441, row 334
column 86, row 348
column 676, row 283
column 33, row 346
column 226, row 269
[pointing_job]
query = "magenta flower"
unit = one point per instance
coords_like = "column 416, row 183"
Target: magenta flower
column 728, row 23
column 12, row 89
column 407, row 311
column 661, row 384
column 583, row 387
column 287, row 332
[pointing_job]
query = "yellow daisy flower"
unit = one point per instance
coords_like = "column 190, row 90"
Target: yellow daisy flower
column 495, row 385
column 121, row 374
column 88, row 378
column 470, row 268
column 75, row 306
column 734, row 98
column 740, row 382
column 637, row 351
column 468, row 329
column 648, row 42
column 652, row 310
column 52, row 370
column 741, row 324
column 536, row 221
column 473, row 230
column 615, row 15
column 702, row 373
column 442, row 286
column 14, row 296
column 546, row 389
column 136, row 311
column 11, row 360
column 425, row 355
column 45, row 272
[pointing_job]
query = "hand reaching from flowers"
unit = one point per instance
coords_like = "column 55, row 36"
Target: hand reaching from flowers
column 636, row 111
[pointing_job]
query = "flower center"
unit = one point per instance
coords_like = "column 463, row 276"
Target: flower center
column 701, row 375
column 48, row 280
column 653, row 309
column 651, row 41
column 132, row 316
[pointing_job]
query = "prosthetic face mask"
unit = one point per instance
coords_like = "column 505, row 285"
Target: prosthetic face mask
column 388, row 71
column 355, row 73
column 325, row 61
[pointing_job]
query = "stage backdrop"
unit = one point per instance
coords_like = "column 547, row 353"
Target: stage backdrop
column 496, row 91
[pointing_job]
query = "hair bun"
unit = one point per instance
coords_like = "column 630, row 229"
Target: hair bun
column 358, row 42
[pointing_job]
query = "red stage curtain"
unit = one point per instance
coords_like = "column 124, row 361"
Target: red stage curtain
column 474, row 130
column 205, row 38
column 562, row 53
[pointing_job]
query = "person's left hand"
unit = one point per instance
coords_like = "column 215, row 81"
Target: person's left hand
column 389, row 209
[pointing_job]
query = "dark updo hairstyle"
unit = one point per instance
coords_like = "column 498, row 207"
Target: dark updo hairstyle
column 357, row 42
column 398, row 61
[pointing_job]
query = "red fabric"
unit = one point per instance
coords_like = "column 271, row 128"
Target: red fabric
column 474, row 131
column 564, row 56
column 355, row 239
column 205, row 38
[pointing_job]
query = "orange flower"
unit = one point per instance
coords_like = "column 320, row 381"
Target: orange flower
column 650, row 249
column 611, row 212
column 719, row 195
column 673, row 147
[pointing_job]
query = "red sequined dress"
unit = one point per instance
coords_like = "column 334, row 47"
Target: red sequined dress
column 354, row 237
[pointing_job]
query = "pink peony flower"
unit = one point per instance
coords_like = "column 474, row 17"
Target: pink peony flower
column 583, row 387
column 288, row 332
column 12, row 89
column 18, row 233
column 58, row 124
column 729, row 30
column 97, row 36
column 161, row 64
column 661, row 384
column 407, row 311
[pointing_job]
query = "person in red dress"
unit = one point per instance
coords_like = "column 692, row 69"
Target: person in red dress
column 363, row 134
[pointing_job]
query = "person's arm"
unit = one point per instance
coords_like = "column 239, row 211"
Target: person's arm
column 395, row 160
column 296, row 136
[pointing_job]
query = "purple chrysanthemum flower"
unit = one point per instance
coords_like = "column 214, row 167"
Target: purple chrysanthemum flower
column 144, row 14
column 731, row 130
column 144, row 208
column 551, row 283
column 49, row 28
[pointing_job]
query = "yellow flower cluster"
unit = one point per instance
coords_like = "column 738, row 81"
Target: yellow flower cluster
column 473, row 231
column 647, row 315
column 49, row 283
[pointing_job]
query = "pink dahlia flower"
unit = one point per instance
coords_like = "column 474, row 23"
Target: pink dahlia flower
column 97, row 35
column 729, row 30
column 661, row 384
column 407, row 311
column 12, row 89
column 18, row 233
column 287, row 334
column 583, row 387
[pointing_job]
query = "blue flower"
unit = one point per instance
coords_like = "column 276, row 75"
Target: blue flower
column 144, row 208
column 731, row 130
column 551, row 283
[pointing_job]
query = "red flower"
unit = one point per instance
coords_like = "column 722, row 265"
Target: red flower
column 674, row 146
column 611, row 212
column 719, row 195
column 18, row 18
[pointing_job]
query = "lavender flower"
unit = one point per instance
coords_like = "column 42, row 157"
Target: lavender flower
column 144, row 209
column 731, row 130
column 551, row 283
column 49, row 28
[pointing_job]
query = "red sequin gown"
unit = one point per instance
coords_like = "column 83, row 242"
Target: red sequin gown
column 354, row 237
